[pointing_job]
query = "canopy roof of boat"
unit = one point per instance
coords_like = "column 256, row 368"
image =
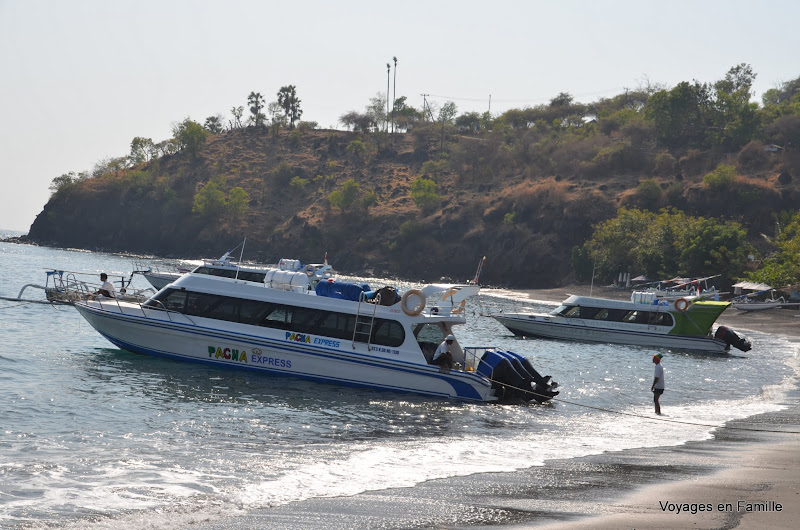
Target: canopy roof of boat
column 53, row 270
column 753, row 286
column 455, row 291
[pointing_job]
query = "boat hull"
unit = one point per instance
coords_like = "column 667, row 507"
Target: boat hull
column 276, row 352
column 574, row 329
column 757, row 306
column 159, row 280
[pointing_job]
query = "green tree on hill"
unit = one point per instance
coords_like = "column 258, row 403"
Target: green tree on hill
column 256, row 102
column 214, row 124
column 783, row 266
column 237, row 117
column 346, row 197
column 423, row 193
column 290, row 103
column 191, row 136
column 680, row 115
column 721, row 178
column 665, row 244
column 210, row 200
column 237, row 203
column 142, row 150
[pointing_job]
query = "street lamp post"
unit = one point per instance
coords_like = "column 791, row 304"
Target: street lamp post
column 388, row 69
column 394, row 91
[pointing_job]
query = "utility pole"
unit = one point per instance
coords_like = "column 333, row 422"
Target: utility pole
column 424, row 105
column 388, row 69
column 394, row 91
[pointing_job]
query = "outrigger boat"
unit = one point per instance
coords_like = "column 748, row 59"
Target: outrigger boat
column 67, row 287
column 291, row 323
column 646, row 320
column 682, row 288
column 761, row 298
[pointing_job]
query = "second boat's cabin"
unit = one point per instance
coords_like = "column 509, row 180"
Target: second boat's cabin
column 635, row 316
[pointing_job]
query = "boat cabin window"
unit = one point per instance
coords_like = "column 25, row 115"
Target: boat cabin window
column 429, row 336
column 385, row 332
column 590, row 312
column 172, row 300
column 578, row 311
column 653, row 318
column 636, row 317
column 661, row 318
column 247, row 276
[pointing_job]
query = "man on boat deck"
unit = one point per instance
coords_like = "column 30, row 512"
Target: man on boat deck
column 442, row 356
column 658, row 381
column 107, row 289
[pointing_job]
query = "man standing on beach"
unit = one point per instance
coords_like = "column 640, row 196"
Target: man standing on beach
column 658, row 381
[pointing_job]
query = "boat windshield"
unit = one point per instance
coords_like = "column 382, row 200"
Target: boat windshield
column 560, row 310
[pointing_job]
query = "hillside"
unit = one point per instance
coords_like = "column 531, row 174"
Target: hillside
column 427, row 203
column 151, row 211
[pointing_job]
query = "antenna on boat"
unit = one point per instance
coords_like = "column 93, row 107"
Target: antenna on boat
column 591, row 285
column 326, row 257
column 480, row 269
column 241, row 253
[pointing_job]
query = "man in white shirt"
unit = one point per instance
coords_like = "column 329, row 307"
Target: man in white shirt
column 107, row 289
column 442, row 356
column 658, row 381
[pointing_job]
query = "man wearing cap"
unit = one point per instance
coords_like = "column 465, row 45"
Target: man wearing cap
column 442, row 356
column 658, row 381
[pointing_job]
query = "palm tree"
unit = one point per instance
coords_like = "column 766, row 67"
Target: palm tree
column 394, row 91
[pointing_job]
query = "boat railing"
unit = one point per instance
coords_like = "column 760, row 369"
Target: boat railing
column 70, row 289
column 142, row 308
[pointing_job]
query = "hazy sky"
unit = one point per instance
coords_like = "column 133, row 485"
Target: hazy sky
column 80, row 79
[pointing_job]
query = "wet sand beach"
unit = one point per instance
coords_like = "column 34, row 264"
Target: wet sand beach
column 746, row 476
column 753, row 480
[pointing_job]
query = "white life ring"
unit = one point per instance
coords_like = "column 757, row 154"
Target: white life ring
column 310, row 271
column 417, row 309
column 681, row 304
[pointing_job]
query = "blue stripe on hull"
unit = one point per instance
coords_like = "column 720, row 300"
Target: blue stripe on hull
column 463, row 390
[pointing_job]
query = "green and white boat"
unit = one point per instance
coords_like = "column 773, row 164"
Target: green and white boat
column 647, row 320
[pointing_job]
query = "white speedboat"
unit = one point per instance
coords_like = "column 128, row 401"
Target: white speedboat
column 278, row 322
column 646, row 320
column 160, row 279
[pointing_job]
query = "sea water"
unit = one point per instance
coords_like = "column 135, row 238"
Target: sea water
column 93, row 436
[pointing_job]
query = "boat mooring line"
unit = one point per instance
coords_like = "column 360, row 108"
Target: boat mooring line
column 646, row 417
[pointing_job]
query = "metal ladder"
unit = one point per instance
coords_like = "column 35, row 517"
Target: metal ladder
column 362, row 331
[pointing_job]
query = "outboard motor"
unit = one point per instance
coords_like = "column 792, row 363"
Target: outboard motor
column 514, row 378
column 730, row 337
